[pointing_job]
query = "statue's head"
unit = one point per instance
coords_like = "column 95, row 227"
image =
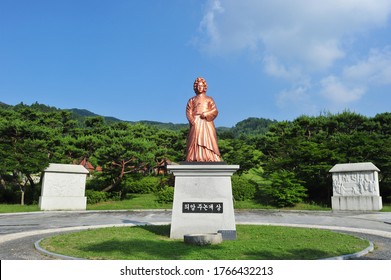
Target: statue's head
column 200, row 85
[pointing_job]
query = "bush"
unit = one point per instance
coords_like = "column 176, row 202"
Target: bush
column 115, row 196
column 97, row 181
column 9, row 195
column 242, row 188
column 96, row 196
column 32, row 194
column 144, row 184
column 165, row 195
column 12, row 194
column 284, row 189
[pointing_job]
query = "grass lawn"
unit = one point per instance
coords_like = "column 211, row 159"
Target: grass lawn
column 253, row 243
column 137, row 201
column 148, row 201
column 251, row 204
column 386, row 208
column 15, row 208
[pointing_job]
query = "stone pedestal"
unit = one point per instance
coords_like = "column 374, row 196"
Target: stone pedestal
column 203, row 201
column 63, row 187
column 356, row 187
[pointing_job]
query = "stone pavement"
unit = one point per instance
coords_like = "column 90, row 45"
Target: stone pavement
column 19, row 231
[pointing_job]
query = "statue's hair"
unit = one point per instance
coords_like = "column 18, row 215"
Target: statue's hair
column 199, row 79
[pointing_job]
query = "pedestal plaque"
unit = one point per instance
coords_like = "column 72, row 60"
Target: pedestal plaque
column 202, row 199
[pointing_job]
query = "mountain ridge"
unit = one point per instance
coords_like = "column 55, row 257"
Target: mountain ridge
column 251, row 125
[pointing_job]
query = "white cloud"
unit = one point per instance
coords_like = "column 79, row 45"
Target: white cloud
column 355, row 79
column 307, row 43
column 338, row 92
column 297, row 95
column 374, row 70
column 307, row 32
column 208, row 24
column 279, row 70
column 297, row 100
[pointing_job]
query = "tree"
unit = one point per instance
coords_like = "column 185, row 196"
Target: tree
column 284, row 189
column 171, row 145
column 241, row 151
column 125, row 151
column 310, row 146
column 24, row 148
column 251, row 126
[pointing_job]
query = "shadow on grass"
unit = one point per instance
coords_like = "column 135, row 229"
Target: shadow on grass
column 151, row 242
column 295, row 254
column 177, row 250
column 163, row 230
column 160, row 247
column 141, row 249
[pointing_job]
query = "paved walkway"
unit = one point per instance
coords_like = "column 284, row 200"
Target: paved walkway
column 19, row 232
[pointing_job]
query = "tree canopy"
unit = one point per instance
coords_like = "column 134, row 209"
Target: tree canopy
column 278, row 159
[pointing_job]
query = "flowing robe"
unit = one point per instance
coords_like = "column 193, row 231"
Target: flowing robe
column 202, row 139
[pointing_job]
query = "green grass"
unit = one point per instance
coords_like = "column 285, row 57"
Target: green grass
column 253, row 243
column 386, row 208
column 252, row 204
column 136, row 201
column 148, row 201
column 15, row 208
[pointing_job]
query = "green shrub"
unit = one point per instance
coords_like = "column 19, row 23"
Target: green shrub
column 9, row 195
column 115, row 196
column 94, row 197
column 165, row 195
column 142, row 184
column 97, row 181
column 12, row 194
column 242, row 188
column 284, row 189
column 32, row 194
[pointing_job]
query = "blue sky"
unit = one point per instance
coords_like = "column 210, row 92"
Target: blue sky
column 137, row 60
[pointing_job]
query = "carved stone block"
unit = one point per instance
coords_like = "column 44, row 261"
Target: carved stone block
column 63, row 187
column 356, row 187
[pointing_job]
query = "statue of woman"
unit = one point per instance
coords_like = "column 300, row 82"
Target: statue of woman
column 202, row 139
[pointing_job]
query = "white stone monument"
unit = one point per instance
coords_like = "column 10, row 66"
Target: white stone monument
column 63, row 187
column 356, row 187
column 203, row 201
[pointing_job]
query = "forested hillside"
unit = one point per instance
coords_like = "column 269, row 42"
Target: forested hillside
column 249, row 126
column 282, row 163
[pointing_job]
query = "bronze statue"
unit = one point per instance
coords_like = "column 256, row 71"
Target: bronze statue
column 202, row 139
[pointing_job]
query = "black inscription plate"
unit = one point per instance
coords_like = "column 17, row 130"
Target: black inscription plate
column 202, row 207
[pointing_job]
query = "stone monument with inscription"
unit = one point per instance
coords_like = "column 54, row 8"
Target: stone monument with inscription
column 203, row 201
column 356, row 187
column 63, row 187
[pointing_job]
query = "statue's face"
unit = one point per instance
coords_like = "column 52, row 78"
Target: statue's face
column 201, row 87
